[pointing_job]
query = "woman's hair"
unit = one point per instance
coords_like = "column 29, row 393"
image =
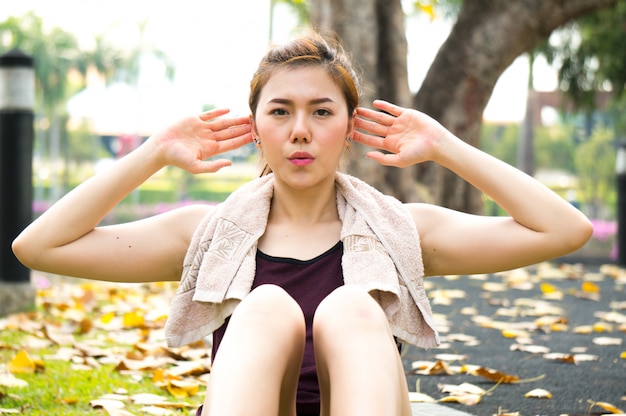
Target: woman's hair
column 312, row 50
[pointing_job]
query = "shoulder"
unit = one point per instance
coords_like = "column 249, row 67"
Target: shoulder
column 185, row 220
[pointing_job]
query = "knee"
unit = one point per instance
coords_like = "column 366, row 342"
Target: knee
column 346, row 310
column 270, row 307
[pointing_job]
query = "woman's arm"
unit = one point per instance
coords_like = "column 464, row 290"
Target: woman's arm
column 66, row 239
column 541, row 225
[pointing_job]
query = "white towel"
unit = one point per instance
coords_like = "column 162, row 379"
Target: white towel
column 382, row 255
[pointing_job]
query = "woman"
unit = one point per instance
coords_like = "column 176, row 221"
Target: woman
column 306, row 276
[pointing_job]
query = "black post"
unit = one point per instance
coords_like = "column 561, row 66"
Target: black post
column 621, row 204
column 17, row 96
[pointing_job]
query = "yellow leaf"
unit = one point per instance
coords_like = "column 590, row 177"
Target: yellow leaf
column 602, row 327
column 107, row 317
column 22, row 363
column 538, row 394
column 623, row 355
column 133, row 319
column 415, row 397
column 181, row 389
column 608, row 407
column 428, row 9
column 514, row 333
column 466, row 399
column 589, row 287
column 547, row 288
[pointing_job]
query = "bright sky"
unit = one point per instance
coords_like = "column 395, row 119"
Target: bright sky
column 216, row 45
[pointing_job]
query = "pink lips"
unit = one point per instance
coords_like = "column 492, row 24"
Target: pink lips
column 301, row 158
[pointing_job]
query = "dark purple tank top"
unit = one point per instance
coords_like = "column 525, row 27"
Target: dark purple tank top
column 308, row 282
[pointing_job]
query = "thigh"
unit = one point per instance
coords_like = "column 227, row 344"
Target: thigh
column 359, row 367
column 257, row 366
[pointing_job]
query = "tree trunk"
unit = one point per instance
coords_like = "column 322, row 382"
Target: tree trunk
column 459, row 83
column 373, row 33
column 485, row 40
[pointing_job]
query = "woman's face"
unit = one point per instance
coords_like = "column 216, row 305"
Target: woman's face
column 302, row 122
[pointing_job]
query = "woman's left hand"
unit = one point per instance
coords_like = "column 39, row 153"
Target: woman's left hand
column 408, row 135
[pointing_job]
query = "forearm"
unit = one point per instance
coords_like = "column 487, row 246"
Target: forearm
column 525, row 199
column 83, row 208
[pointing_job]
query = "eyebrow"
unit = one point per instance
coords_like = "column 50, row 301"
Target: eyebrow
column 313, row 102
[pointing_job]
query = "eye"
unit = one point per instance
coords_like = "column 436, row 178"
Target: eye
column 278, row 112
column 322, row 112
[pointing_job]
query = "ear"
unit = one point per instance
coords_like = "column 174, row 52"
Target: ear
column 254, row 131
column 351, row 124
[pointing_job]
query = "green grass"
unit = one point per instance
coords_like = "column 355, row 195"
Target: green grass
column 59, row 388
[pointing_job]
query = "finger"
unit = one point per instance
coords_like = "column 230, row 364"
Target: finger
column 386, row 159
column 377, row 116
column 371, row 127
column 230, row 132
column 388, row 107
column 209, row 166
column 226, row 123
column 234, row 142
column 369, row 140
column 211, row 114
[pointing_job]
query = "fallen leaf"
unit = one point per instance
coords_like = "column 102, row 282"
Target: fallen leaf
column 606, row 406
column 466, row 399
column 607, row 341
column 9, row 380
column 415, row 397
column 22, row 364
column 590, row 287
column 538, row 394
column 106, row 403
column 494, row 375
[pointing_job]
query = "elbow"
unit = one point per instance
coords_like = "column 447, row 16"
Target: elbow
column 23, row 252
column 579, row 234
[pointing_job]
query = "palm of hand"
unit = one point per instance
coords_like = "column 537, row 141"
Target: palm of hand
column 407, row 135
column 188, row 143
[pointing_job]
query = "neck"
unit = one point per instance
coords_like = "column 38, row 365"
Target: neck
column 308, row 207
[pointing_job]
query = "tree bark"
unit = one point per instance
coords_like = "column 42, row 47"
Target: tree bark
column 485, row 40
column 373, row 33
column 482, row 44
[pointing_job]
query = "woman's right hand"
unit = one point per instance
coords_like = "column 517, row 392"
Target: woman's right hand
column 190, row 141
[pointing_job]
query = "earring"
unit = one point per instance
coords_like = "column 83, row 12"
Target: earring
column 256, row 140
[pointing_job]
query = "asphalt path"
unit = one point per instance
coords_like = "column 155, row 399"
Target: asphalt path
column 487, row 321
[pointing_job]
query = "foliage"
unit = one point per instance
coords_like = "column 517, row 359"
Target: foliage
column 593, row 54
column 595, row 164
column 90, row 346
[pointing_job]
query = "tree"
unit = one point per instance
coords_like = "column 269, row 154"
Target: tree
column 595, row 163
column 482, row 44
column 61, row 69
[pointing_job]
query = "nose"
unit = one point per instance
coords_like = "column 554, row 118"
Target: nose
column 300, row 131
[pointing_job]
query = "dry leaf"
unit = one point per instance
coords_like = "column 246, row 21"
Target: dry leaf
column 606, row 406
column 106, row 403
column 415, row 397
column 438, row 367
column 9, row 380
column 538, row 394
column 494, row 375
column 22, row 364
column 463, row 388
column 466, row 399
column 607, row 341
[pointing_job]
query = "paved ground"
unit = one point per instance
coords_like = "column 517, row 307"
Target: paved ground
column 574, row 386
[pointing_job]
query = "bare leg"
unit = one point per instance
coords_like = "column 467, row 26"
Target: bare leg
column 360, row 370
column 255, row 371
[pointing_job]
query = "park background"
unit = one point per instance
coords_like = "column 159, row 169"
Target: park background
column 182, row 59
column 110, row 73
